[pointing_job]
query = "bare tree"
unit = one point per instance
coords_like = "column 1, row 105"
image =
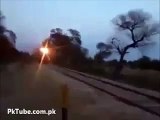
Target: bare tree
column 137, row 26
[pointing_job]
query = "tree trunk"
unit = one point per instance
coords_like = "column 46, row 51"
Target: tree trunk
column 119, row 67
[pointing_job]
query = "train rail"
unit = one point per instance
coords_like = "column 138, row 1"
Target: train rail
column 145, row 102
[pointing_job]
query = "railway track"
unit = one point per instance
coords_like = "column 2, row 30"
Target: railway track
column 145, row 102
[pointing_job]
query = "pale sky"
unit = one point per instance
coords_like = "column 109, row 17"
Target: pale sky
column 32, row 20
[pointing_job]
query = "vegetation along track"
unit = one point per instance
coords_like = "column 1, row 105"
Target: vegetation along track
column 145, row 102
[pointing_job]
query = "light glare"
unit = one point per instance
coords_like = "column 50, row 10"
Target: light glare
column 44, row 50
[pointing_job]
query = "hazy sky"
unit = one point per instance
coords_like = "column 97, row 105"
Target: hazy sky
column 32, row 20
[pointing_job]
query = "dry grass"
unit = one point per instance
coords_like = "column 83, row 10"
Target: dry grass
column 142, row 78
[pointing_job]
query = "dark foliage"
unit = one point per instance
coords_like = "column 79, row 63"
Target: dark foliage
column 7, row 52
column 98, row 58
column 63, row 50
column 142, row 63
column 145, row 63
